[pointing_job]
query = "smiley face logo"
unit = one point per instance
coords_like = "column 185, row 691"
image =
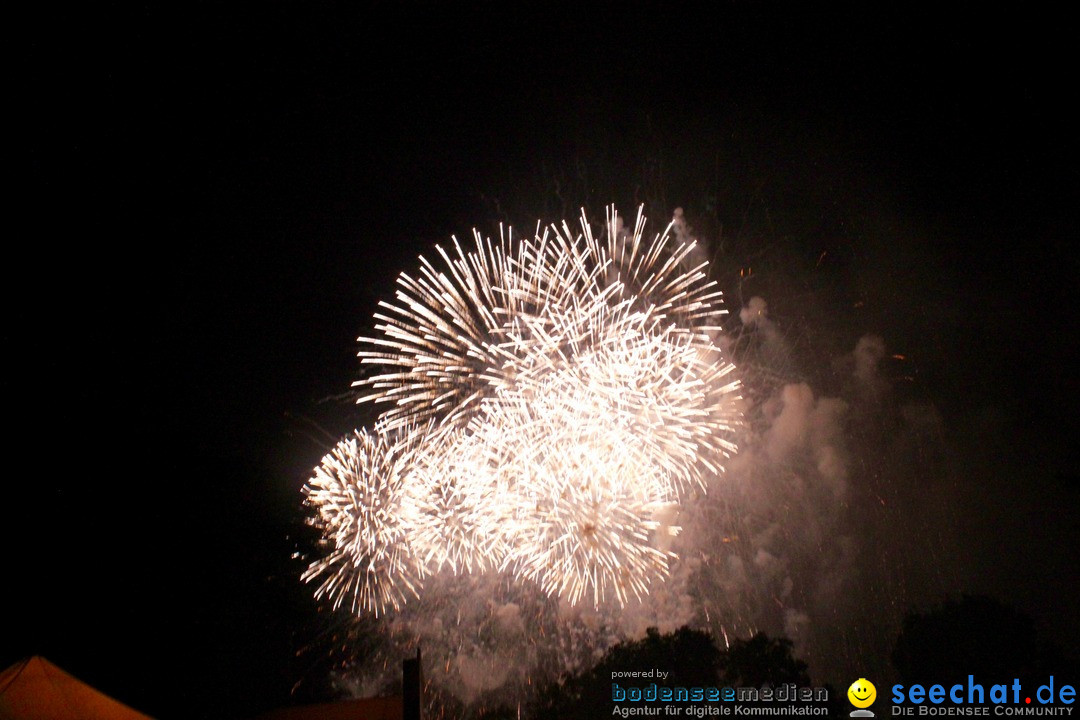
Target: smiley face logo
column 862, row 693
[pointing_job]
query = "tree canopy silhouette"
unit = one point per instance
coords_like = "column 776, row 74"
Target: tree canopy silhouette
column 974, row 635
column 762, row 660
column 689, row 656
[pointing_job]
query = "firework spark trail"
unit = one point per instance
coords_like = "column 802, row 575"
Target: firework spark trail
column 548, row 397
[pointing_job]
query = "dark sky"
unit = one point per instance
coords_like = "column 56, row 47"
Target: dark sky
column 212, row 200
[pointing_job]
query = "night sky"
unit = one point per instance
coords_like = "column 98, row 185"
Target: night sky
column 211, row 198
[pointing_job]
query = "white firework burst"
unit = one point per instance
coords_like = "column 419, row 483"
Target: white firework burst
column 457, row 520
column 360, row 496
column 545, row 399
column 583, row 494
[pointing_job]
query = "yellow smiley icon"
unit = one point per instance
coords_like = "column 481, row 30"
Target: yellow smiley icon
column 862, row 693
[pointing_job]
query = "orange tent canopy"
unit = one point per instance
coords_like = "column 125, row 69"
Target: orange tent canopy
column 35, row 689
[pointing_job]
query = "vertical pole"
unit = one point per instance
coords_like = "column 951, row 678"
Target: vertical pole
column 412, row 688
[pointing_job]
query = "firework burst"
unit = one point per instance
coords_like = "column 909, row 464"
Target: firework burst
column 360, row 493
column 545, row 399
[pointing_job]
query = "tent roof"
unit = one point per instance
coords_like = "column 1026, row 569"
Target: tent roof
column 34, row 689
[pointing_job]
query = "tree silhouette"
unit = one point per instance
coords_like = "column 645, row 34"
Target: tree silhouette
column 691, row 658
column 974, row 635
column 762, row 660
